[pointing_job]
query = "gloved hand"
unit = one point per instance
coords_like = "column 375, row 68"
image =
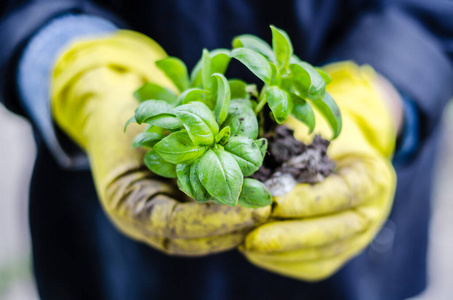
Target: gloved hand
column 92, row 88
column 318, row 228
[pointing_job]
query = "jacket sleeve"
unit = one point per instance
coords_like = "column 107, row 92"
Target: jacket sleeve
column 20, row 21
column 411, row 43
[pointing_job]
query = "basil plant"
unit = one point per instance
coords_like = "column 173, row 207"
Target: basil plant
column 206, row 136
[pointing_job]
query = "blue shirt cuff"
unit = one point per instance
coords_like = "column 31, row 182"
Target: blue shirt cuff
column 409, row 140
column 35, row 71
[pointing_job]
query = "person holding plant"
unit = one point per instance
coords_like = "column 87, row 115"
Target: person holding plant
column 71, row 69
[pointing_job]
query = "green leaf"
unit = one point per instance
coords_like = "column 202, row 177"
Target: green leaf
column 190, row 184
column 176, row 71
column 177, row 148
column 287, row 85
column 276, row 75
column 254, row 194
column 220, row 58
column 194, row 94
column 199, row 191
column 246, row 152
column 242, row 120
column 307, row 81
column 223, row 98
column 159, row 166
column 151, row 108
column 183, row 174
column 280, row 103
column 206, row 70
column 254, row 43
column 146, row 139
column 167, row 121
column 324, row 75
column 156, row 129
column 262, row 145
column 220, row 174
column 303, row 112
column 154, row 91
column 255, row 62
column 246, row 102
column 300, row 79
column 283, row 49
column 199, row 122
column 131, row 120
column 238, row 89
column 329, row 109
column 223, row 136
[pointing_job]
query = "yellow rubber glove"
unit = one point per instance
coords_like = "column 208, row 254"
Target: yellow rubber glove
column 92, row 88
column 317, row 228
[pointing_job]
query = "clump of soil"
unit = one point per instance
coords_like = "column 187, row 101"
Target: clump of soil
column 290, row 161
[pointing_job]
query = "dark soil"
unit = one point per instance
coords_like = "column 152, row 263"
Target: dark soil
column 288, row 156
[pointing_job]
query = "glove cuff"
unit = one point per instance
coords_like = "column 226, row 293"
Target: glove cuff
column 354, row 89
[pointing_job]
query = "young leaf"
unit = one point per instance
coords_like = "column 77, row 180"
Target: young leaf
column 194, row 94
column 283, row 49
column 307, row 81
column 199, row 192
column 199, row 122
column 156, row 129
column 154, row 91
column 329, row 109
column 151, row 108
column 300, row 79
column 220, row 58
column 131, row 120
column 254, row 194
column 206, row 70
column 177, row 148
column 254, row 43
column 280, row 103
column 262, row 145
column 303, row 112
column 183, row 174
column 238, row 89
column 246, row 152
column 223, row 136
column 190, row 184
column 220, row 174
column 242, row 120
column 248, row 103
column 159, row 166
column 176, row 71
column 276, row 75
column 167, row 121
column 324, row 75
column 146, row 139
column 223, row 98
column 255, row 62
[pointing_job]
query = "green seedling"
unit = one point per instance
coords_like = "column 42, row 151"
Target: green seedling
column 207, row 135
column 291, row 86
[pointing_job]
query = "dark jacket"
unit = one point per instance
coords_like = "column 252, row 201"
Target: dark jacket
column 77, row 253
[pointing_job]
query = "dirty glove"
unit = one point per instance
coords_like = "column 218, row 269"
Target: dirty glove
column 92, row 89
column 318, row 228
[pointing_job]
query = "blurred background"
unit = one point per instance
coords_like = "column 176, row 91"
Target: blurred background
column 17, row 154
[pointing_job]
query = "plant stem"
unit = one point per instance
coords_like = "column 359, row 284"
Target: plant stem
column 261, row 124
column 262, row 102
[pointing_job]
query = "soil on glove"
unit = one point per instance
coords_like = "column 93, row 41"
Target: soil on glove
column 289, row 161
